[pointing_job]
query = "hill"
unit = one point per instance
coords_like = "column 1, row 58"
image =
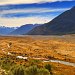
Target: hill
column 62, row 24
column 6, row 30
column 23, row 29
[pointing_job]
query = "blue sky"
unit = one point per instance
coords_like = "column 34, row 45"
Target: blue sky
column 20, row 12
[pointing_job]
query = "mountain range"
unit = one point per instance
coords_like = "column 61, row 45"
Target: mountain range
column 23, row 29
column 6, row 30
column 62, row 24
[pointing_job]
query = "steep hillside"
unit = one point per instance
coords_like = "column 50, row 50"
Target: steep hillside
column 23, row 29
column 62, row 24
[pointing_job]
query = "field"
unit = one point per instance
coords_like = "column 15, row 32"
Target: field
column 28, row 50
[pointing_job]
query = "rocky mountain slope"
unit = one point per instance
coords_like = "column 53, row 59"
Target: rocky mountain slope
column 62, row 24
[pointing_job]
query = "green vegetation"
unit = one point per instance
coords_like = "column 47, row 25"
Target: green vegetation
column 37, row 50
column 44, row 71
column 32, row 70
column 49, row 68
column 30, row 67
column 17, row 70
column 6, row 63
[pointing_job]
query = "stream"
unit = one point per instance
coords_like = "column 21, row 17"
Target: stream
column 56, row 61
column 62, row 62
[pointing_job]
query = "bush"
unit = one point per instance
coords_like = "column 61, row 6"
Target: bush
column 33, row 70
column 44, row 71
column 34, row 62
column 48, row 67
column 17, row 70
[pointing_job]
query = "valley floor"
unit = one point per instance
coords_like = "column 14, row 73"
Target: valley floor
column 43, row 48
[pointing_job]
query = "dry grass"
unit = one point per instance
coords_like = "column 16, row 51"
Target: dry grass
column 46, row 47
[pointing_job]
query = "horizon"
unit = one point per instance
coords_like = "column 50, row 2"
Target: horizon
column 21, row 12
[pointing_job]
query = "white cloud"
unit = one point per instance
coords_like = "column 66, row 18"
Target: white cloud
column 2, row 2
column 28, row 20
column 13, row 22
column 34, row 10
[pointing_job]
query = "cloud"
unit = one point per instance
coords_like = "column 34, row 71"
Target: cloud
column 18, row 17
column 20, row 14
column 34, row 10
column 2, row 2
column 13, row 22
column 30, row 12
column 26, row 16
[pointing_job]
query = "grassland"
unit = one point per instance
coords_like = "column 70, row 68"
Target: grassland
column 38, row 49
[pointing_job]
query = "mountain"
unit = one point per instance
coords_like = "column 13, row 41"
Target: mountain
column 5, row 30
column 23, row 29
column 62, row 24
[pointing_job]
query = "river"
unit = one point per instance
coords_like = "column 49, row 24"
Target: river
column 62, row 62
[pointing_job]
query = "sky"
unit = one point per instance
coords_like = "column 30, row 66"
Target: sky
column 15, row 13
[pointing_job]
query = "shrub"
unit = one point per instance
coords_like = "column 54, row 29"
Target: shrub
column 33, row 70
column 48, row 67
column 44, row 71
column 17, row 70
column 34, row 62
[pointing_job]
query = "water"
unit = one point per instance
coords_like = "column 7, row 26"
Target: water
column 62, row 62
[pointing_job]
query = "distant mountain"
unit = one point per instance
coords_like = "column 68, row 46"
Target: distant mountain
column 23, row 29
column 62, row 24
column 5, row 30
